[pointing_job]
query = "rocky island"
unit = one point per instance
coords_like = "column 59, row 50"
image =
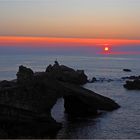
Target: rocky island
column 132, row 83
column 26, row 102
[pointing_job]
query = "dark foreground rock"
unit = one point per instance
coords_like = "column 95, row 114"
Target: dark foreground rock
column 28, row 100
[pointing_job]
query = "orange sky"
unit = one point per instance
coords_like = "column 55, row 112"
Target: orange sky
column 62, row 42
column 71, row 19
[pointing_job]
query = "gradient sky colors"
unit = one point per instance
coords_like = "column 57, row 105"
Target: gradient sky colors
column 71, row 18
column 69, row 22
column 57, row 42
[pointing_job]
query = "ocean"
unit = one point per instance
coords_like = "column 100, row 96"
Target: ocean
column 123, row 123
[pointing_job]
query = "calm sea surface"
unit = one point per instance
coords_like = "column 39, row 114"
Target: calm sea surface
column 122, row 123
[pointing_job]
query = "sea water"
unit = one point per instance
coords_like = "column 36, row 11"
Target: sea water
column 121, row 123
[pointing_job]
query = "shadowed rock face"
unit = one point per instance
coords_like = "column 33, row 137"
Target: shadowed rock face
column 91, row 101
column 32, row 96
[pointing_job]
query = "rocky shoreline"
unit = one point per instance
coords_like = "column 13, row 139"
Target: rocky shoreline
column 28, row 100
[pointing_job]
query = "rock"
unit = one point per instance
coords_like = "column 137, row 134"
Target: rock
column 127, row 70
column 49, row 68
column 75, row 107
column 6, row 83
column 19, row 123
column 131, row 77
column 100, row 80
column 132, row 85
column 40, row 130
column 33, row 95
column 30, row 105
column 58, row 68
column 92, row 80
column 66, row 74
column 110, row 80
column 24, row 75
column 91, row 100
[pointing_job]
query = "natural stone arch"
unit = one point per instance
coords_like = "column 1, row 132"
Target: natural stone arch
column 31, row 97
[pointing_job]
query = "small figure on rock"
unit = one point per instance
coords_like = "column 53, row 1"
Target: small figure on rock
column 56, row 63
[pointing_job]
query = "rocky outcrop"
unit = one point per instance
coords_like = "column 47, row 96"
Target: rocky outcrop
column 94, row 79
column 101, row 80
column 66, row 74
column 131, row 77
column 6, row 84
column 84, row 102
column 30, row 98
column 133, row 85
column 24, row 75
column 127, row 70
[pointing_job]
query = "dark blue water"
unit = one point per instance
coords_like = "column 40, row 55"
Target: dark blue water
column 122, row 123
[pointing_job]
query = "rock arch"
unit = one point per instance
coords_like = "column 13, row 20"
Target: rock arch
column 31, row 96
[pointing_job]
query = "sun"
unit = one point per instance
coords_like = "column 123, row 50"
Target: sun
column 106, row 49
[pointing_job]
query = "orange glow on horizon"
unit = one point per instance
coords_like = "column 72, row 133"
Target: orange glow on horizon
column 61, row 42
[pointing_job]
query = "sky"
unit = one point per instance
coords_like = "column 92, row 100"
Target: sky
column 70, row 23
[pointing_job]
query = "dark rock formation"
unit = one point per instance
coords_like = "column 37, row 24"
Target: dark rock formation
column 127, row 70
column 75, row 107
column 30, row 98
column 24, row 75
column 133, row 82
column 133, row 85
column 92, row 80
column 105, row 80
column 7, row 84
column 66, row 74
column 132, row 77
column 88, row 103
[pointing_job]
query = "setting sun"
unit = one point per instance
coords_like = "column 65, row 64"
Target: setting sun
column 106, row 49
